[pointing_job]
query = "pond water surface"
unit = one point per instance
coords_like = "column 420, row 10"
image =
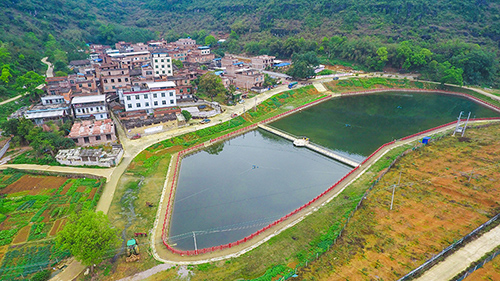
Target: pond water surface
column 235, row 188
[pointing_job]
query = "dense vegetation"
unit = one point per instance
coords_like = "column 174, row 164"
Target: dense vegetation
column 446, row 40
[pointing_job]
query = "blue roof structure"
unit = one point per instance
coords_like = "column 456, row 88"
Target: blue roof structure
column 219, row 73
column 217, row 59
column 238, row 63
column 282, row 64
column 203, row 47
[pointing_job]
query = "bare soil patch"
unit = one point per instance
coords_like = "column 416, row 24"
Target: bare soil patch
column 66, row 188
column 22, row 235
column 92, row 193
column 55, row 227
column 34, row 184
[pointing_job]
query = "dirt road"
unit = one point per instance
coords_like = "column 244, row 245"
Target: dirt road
column 50, row 69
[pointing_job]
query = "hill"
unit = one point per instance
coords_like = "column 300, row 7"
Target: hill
column 452, row 30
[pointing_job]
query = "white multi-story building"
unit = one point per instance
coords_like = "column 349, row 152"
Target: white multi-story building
column 149, row 96
column 90, row 106
column 162, row 63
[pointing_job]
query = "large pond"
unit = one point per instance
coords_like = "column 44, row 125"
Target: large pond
column 358, row 125
column 235, row 188
column 231, row 190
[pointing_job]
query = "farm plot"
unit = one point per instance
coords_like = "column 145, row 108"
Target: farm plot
column 33, row 208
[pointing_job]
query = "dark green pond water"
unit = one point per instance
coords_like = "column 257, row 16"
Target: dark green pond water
column 358, row 125
column 234, row 189
column 231, row 190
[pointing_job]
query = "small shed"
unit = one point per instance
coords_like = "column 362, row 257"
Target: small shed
column 426, row 140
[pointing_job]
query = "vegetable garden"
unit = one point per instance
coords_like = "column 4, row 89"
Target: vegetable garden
column 33, row 208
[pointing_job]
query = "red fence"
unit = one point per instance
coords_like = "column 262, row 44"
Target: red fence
column 243, row 240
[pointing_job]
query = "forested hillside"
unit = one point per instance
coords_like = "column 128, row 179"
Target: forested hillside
column 432, row 36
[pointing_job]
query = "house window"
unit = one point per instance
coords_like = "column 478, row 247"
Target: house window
column 89, row 85
column 145, row 96
column 168, row 60
column 171, row 101
column 156, row 60
column 128, row 97
column 189, row 90
column 129, row 105
column 147, row 104
column 86, row 140
column 162, row 60
column 155, row 103
column 105, row 80
column 171, row 94
column 155, row 95
column 163, row 72
column 108, row 137
column 157, row 72
column 164, row 102
column 181, row 91
column 136, row 97
column 113, row 87
column 112, row 80
column 138, row 104
column 169, row 71
column 162, row 95
column 126, row 79
column 119, row 80
column 97, row 138
column 156, row 66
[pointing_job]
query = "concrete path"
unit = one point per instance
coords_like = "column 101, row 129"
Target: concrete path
column 104, row 172
column 462, row 258
column 147, row 273
column 50, row 69
column 320, row 87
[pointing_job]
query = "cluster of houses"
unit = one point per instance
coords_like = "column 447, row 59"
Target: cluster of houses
column 141, row 86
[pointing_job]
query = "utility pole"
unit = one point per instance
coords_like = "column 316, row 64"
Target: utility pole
column 394, row 188
column 470, row 176
column 458, row 122
column 465, row 126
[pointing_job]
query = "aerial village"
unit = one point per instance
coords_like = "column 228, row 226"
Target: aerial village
column 139, row 84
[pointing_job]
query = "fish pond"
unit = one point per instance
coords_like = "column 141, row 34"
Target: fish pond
column 238, row 186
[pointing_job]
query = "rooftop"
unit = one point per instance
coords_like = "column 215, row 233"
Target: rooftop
column 91, row 128
column 129, row 54
column 163, row 84
column 89, row 99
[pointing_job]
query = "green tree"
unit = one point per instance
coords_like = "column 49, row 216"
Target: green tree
column 451, row 74
column 210, row 40
column 89, row 237
column 186, row 115
column 28, row 83
column 303, row 65
column 178, row 63
column 5, row 76
column 211, row 85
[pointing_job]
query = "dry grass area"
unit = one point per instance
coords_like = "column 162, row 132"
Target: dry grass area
column 490, row 271
column 447, row 189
